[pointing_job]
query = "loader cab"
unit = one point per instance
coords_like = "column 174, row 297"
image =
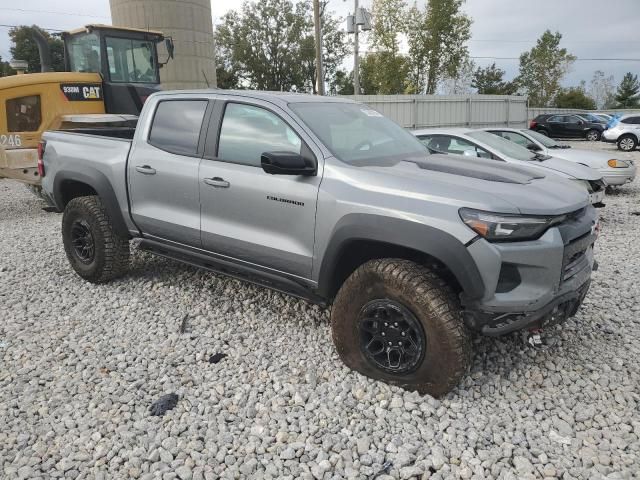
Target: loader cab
column 126, row 59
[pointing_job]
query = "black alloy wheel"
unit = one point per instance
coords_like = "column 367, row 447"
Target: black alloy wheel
column 391, row 337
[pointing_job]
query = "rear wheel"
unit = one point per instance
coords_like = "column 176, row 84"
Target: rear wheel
column 543, row 131
column 95, row 251
column 627, row 143
column 593, row 135
column 396, row 321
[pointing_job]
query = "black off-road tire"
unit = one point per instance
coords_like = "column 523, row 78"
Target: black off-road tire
column 431, row 301
column 593, row 135
column 110, row 258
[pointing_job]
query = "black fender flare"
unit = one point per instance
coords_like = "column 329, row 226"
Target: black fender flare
column 403, row 233
column 99, row 182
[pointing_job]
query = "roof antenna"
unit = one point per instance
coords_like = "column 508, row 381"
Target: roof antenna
column 205, row 78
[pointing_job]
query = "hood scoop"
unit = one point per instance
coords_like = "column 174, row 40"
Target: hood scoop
column 480, row 168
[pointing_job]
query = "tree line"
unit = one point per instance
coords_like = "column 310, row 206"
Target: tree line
column 412, row 49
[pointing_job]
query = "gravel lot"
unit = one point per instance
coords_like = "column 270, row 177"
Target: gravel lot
column 81, row 364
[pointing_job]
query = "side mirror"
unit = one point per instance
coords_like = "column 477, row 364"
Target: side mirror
column 287, row 163
column 533, row 147
column 168, row 42
column 580, row 122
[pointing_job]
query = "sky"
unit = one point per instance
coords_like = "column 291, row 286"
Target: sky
column 501, row 28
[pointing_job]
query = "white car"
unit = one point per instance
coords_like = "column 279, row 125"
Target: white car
column 479, row 143
column 614, row 171
column 626, row 133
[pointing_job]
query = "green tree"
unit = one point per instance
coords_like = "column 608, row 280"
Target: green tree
column 543, row 67
column 574, row 97
column 261, row 44
column 384, row 70
column 228, row 69
column 383, row 73
column 627, row 94
column 342, row 83
column 489, row 81
column 437, row 39
column 24, row 48
column 5, row 69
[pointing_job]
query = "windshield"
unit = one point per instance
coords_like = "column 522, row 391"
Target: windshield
column 131, row 61
column 355, row 133
column 84, row 53
column 503, row 146
column 544, row 140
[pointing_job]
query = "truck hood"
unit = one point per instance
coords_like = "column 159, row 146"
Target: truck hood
column 566, row 168
column 474, row 183
column 591, row 159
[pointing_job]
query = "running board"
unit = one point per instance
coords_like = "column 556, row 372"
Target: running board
column 232, row 269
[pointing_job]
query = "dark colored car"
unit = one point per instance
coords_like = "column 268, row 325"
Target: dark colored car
column 567, row 126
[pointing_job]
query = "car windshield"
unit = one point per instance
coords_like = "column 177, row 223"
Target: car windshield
column 544, row 140
column 356, row 134
column 503, row 146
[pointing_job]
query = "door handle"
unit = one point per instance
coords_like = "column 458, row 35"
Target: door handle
column 145, row 170
column 217, row 182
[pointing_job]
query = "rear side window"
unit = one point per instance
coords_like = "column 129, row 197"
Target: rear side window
column 176, row 126
column 24, row 114
column 631, row 121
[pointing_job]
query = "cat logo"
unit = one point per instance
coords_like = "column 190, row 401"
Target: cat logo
column 91, row 93
column 77, row 92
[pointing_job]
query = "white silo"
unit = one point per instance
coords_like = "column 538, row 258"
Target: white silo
column 190, row 25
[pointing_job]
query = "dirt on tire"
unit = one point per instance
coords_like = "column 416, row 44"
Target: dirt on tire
column 447, row 355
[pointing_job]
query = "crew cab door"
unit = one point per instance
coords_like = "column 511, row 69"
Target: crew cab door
column 163, row 172
column 249, row 215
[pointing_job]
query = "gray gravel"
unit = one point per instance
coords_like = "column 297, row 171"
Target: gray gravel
column 81, row 364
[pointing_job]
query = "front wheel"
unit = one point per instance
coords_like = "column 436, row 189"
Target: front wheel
column 396, row 321
column 593, row 135
column 95, row 251
column 627, row 143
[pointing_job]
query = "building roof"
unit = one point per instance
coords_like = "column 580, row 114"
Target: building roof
column 102, row 26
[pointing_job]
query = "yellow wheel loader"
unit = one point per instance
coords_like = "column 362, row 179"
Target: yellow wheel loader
column 110, row 72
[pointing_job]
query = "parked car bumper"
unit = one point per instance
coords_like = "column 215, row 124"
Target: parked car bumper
column 531, row 284
column 609, row 136
column 619, row 176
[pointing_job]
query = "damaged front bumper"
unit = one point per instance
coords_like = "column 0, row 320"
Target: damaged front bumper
column 533, row 284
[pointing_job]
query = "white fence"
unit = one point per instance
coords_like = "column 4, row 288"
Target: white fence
column 421, row 111
column 475, row 111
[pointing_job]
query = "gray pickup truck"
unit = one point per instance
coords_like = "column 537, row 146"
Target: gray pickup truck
column 328, row 200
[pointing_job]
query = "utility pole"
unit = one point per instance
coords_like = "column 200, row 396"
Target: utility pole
column 356, row 56
column 318, row 24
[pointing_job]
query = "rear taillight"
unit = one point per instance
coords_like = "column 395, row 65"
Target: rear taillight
column 41, row 146
column 533, row 124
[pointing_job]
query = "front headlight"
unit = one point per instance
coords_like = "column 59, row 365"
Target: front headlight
column 501, row 227
column 613, row 163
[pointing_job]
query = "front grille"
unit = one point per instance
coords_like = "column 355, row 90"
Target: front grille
column 575, row 256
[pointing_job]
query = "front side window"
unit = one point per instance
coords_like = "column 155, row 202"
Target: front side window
column 131, row 61
column 176, row 126
column 84, row 53
column 247, row 132
column 24, row 114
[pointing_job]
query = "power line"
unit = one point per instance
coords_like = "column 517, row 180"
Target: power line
column 577, row 59
column 43, row 28
column 66, row 14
